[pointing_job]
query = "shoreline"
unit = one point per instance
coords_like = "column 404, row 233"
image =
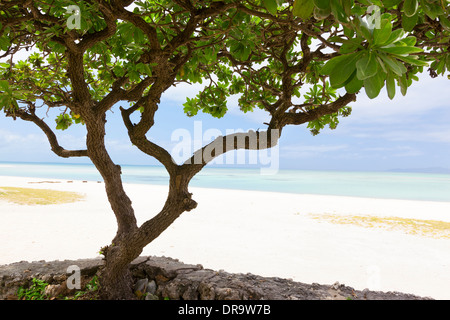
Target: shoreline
column 264, row 233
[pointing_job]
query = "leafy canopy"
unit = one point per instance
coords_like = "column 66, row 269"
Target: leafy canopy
column 265, row 51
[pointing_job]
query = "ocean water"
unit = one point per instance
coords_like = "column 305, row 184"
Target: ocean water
column 388, row 185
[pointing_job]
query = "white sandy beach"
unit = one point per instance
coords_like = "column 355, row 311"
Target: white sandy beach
column 264, row 233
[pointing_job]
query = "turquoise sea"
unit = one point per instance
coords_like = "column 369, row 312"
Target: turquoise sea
column 390, row 185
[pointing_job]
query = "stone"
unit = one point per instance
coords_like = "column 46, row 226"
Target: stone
column 227, row 294
column 151, row 287
column 47, row 278
column 56, row 290
column 161, row 277
column 141, row 285
column 206, row 291
column 150, row 296
column 336, row 285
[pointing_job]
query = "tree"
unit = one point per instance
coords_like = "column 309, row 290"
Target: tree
column 89, row 55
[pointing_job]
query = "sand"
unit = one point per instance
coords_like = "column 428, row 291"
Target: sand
column 264, row 233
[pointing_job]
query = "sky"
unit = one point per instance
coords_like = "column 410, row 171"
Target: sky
column 409, row 132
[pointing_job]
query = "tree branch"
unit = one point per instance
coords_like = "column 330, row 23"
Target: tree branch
column 92, row 38
column 56, row 148
column 303, row 117
column 251, row 140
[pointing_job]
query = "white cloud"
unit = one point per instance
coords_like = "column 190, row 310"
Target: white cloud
column 179, row 93
column 8, row 138
column 422, row 97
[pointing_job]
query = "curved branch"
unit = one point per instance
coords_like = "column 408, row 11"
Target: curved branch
column 303, row 117
column 251, row 140
column 138, row 138
column 93, row 38
column 56, row 148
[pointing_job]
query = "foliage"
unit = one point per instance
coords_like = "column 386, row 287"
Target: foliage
column 37, row 291
column 242, row 51
column 91, row 288
column 34, row 292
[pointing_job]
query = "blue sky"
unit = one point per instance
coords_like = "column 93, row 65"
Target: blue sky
column 381, row 134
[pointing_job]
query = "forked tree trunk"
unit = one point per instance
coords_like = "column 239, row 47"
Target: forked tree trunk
column 114, row 277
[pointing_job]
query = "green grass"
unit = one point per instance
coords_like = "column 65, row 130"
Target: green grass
column 27, row 196
column 427, row 228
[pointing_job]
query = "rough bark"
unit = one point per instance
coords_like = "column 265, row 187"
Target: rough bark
column 115, row 279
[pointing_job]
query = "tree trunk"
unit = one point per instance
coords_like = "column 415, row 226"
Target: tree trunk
column 115, row 280
column 111, row 174
column 114, row 277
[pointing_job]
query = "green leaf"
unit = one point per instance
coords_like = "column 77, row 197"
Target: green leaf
column 4, row 86
column 349, row 32
column 410, row 7
column 381, row 35
column 408, row 23
column 351, row 45
column 396, row 66
column 4, row 43
column 413, row 60
column 303, row 8
column 408, row 41
column 63, row 122
column 374, row 84
column 432, row 9
column 144, row 68
column 341, row 68
column 445, row 22
column 367, row 66
column 191, row 107
column 390, row 85
column 364, row 31
column 354, row 85
column 322, row 4
column 347, row 5
column 271, row 6
column 440, row 67
column 321, row 14
column 133, row 75
column 403, row 83
column 391, row 3
column 138, row 36
column 400, row 50
column 395, row 36
column 338, row 11
column 119, row 71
